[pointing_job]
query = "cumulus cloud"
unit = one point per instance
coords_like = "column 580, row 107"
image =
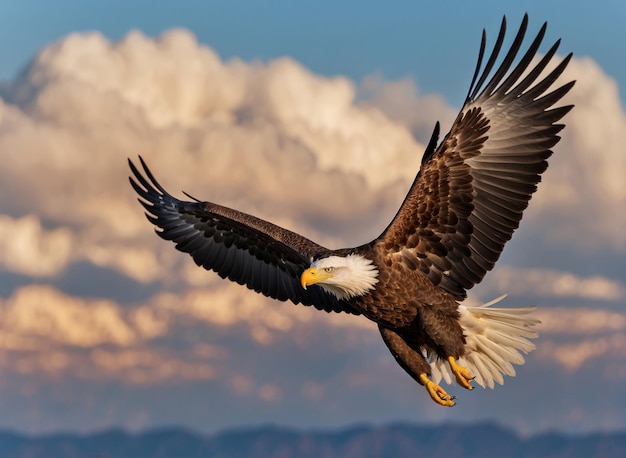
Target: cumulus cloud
column 401, row 101
column 27, row 248
column 248, row 135
column 144, row 76
column 572, row 356
column 574, row 337
column 319, row 155
column 580, row 321
column 38, row 320
column 96, row 338
column 41, row 313
column 144, row 367
column 553, row 283
column 245, row 134
column 581, row 200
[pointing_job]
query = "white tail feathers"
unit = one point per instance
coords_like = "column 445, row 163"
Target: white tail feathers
column 495, row 340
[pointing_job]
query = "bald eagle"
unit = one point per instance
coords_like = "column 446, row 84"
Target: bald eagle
column 461, row 209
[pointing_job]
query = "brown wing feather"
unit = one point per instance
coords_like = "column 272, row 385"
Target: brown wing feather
column 240, row 247
column 468, row 198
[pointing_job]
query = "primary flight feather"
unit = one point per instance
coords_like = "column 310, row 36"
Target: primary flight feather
column 463, row 206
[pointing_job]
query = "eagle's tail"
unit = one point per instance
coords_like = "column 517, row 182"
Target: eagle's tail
column 495, row 340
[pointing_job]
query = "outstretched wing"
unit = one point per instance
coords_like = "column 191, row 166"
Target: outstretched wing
column 240, row 247
column 470, row 193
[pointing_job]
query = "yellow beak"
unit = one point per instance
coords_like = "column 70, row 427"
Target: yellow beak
column 312, row 276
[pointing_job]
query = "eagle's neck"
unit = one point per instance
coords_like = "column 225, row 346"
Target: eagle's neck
column 353, row 275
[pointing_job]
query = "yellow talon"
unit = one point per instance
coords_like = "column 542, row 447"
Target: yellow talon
column 463, row 377
column 437, row 393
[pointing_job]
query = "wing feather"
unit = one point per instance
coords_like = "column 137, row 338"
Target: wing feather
column 471, row 191
column 247, row 250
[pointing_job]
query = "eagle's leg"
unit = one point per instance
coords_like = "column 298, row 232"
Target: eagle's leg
column 415, row 365
column 450, row 343
column 437, row 393
column 463, row 376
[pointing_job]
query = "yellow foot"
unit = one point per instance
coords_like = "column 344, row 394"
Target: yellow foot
column 461, row 373
column 437, row 393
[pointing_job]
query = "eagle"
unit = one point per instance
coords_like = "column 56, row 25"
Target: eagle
column 463, row 206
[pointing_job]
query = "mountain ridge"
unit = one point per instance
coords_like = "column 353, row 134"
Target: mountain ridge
column 395, row 440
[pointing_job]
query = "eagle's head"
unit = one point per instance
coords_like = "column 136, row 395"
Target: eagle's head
column 345, row 277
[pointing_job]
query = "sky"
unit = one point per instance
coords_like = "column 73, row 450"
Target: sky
column 314, row 117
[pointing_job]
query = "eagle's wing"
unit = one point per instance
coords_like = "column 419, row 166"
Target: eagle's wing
column 240, row 247
column 470, row 193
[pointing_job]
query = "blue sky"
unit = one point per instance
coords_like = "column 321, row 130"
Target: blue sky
column 346, row 38
column 103, row 324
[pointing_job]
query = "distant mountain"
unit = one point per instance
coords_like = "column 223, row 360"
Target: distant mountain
column 394, row 441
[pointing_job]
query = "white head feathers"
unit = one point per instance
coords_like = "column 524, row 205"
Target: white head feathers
column 352, row 275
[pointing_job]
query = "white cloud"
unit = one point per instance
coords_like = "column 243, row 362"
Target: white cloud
column 42, row 314
column 401, row 101
column 43, row 329
column 27, row 248
column 243, row 134
column 87, row 75
column 553, row 283
column 144, row 367
column 572, row 337
column 581, row 200
column 272, row 139
column 248, row 135
column 572, row 356
column 580, row 321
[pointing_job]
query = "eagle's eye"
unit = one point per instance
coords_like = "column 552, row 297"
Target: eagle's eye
column 328, row 269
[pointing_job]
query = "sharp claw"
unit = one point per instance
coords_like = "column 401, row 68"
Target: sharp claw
column 462, row 375
column 437, row 393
